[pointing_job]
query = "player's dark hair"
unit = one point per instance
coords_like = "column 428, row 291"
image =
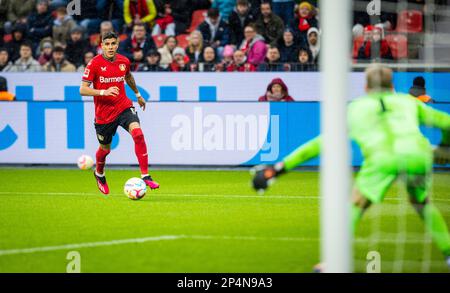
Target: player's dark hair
column 109, row 35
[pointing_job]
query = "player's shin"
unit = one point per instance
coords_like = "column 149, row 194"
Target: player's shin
column 436, row 226
column 100, row 158
column 140, row 149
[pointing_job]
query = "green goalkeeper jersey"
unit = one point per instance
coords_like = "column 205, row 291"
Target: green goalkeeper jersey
column 385, row 125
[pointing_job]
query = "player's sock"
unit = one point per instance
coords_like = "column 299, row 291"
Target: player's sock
column 357, row 213
column 435, row 224
column 100, row 157
column 141, row 149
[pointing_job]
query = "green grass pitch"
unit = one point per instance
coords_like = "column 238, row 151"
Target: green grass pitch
column 199, row 221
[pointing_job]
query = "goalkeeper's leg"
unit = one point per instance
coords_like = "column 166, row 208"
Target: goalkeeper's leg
column 432, row 218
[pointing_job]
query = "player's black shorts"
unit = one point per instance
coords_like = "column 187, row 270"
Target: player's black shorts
column 105, row 132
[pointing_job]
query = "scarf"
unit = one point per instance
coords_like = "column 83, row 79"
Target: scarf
column 139, row 7
column 303, row 24
column 383, row 47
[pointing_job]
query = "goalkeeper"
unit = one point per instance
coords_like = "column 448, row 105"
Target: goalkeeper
column 386, row 127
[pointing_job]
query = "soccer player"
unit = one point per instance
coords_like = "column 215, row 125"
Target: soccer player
column 386, row 127
column 107, row 73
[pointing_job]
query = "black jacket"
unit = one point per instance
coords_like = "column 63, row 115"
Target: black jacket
column 237, row 28
column 75, row 51
column 288, row 54
column 222, row 34
column 39, row 26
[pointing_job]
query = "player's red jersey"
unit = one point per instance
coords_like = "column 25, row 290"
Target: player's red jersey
column 105, row 74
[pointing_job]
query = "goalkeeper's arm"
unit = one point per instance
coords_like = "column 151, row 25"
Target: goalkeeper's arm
column 264, row 175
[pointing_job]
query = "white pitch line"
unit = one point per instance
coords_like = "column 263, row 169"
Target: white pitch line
column 17, row 251
column 158, row 194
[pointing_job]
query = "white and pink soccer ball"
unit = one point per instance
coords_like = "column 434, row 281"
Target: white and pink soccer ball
column 85, row 162
column 135, row 188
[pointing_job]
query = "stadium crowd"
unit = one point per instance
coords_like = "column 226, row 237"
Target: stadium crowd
column 179, row 35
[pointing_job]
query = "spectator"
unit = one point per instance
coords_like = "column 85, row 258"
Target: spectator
column 253, row 46
column 180, row 61
column 88, row 56
column 288, row 48
column 139, row 12
column 181, row 12
column 76, row 46
column 4, row 94
column 5, row 64
column 225, row 7
column 137, row 60
column 269, row 25
column 227, row 60
column 105, row 27
column 209, row 61
column 62, row 26
column 40, row 23
column 255, row 7
column 138, row 40
column 215, row 31
column 113, row 11
column 419, row 91
column 89, row 18
column 375, row 47
column 26, row 62
column 46, row 49
column 314, row 43
column 277, row 91
column 272, row 61
column 166, row 51
column 58, row 63
column 3, row 18
column 387, row 18
column 240, row 63
column 303, row 21
column 238, row 20
column 304, row 60
column 195, row 48
column 284, row 9
column 19, row 10
column 164, row 24
column 152, row 62
column 18, row 38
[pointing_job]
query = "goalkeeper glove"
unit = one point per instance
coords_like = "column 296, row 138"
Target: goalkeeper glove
column 264, row 175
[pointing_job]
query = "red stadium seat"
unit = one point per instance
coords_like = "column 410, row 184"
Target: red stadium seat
column 399, row 45
column 410, row 21
column 197, row 18
column 183, row 40
column 94, row 40
column 357, row 43
column 159, row 40
column 123, row 37
column 7, row 38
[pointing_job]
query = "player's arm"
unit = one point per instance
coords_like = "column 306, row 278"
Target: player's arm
column 265, row 175
column 87, row 90
column 438, row 119
column 129, row 78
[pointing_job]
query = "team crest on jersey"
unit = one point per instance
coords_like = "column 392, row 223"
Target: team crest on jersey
column 122, row 67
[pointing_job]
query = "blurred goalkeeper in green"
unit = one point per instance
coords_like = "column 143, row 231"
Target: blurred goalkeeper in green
column 385, row 125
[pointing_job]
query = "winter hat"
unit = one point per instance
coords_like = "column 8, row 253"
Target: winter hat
column 178, row 51
column 305, row 4
column 228, row 51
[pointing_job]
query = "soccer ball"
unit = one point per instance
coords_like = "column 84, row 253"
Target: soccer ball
column 85, row 162
column 135, row 188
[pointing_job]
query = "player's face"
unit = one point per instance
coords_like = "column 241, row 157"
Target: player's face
column 109, row 47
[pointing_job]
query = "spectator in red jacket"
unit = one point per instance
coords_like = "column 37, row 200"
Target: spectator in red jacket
column 374, row 46
column 277, row 91
column 240, row 63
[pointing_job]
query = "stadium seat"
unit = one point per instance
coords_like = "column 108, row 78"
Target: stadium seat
column 357, row 43
column 410, row 21
column 7, row 38
column 399, row 45
column 94, row 39
column 183, row 40
column 159, row 40
column 197, row 18
column 123, row 37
